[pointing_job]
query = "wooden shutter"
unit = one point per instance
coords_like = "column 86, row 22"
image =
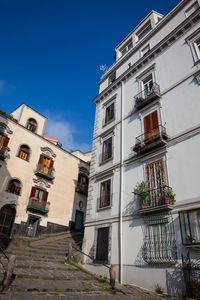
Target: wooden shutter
column 151, row 124
column 33, row 190
column 102, row 244
column 51, row 164
column 6, row 141
column 45, row 195
column 41, row 159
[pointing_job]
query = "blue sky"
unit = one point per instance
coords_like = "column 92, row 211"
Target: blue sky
column 50, row 57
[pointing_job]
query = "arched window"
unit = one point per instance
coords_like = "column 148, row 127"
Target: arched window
column 14, row 187
column 32, row 124
column 24, row 152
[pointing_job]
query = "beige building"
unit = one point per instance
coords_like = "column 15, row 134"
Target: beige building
column 43, row 188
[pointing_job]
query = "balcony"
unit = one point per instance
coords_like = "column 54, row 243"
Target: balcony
column 157, row 200
column 37, row 205
column 3, row 152
column 150, row 140
column 147, row 96
column 45, row 172
column 82, row 188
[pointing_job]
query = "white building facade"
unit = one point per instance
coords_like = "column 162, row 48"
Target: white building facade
column 147, row 136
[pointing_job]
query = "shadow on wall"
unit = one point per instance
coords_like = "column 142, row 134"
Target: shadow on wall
column 175, row 281
column 8, row 201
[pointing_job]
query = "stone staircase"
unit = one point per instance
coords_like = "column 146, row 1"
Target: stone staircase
column 42, row 266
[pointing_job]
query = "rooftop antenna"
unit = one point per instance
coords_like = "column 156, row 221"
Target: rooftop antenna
column 103, row 68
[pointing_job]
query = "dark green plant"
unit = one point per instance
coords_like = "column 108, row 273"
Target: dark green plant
column 141, row 189
column 158, row 289
column 170, row 194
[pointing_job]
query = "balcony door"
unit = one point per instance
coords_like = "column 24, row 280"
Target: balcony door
column 156, row 180
column 151, row 128
column 45, row 164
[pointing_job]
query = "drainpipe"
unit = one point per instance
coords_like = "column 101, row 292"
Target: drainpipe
column 121, row 190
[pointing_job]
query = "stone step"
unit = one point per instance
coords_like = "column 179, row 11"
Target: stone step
column 36, row 251
column 49, row 285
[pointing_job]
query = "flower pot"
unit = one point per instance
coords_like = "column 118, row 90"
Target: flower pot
column 167, row 200
column 143, row 206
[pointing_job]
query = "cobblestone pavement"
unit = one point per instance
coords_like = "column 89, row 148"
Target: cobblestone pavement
column 42, row 272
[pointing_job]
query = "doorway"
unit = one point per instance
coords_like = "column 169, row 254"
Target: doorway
column 32, row 226
column 7, row 216
column 79, row 217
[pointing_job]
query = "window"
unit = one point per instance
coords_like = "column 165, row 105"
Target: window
column 197, row 47
column 82, row 183
column 4, row 140
column 159, row 245
column 105, row 194
column 145, row 50
column 112, row 78
column 156, row 181
column 191, row 9
column 144, row 30
column 38, row 195
column 147, row 85
column 45, row 165
column 107, row 149
column 32, row 125
column 109, row 113
column 14, row 187
column 151, row 127
column 102, row 244
column 190, row 226
column 126, row 47
column 24, row 152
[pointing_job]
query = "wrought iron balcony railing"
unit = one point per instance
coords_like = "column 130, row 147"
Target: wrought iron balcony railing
column 147, row 95
column 3, row 152
column 44, row 171
column 150, row 139
column 157, row 199
column 38, row 205
column 82, row 188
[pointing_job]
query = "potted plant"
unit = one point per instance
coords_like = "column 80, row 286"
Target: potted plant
column 141, row 189
column 137, row 146
column 169, row 196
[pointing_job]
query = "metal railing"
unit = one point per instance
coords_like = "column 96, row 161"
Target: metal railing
column 150, row 136
column 45, row 170
column 157, row 197
column 38, row 203
column 140, row 97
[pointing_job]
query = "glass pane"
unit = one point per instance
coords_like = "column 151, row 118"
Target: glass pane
column 185, row 228
column 194, row 217
column 164, row 240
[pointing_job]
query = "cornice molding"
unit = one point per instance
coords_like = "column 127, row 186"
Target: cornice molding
column 47, row 151
column 4, row 127
column 165, row 43
column 41, row 182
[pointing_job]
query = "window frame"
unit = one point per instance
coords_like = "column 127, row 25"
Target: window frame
column 34, row 129
column 19, row 189
column 189, row 227
column 112, row 78
column 188, row 12
column 103, row 152
column 126, row 47
column 100, row 206
column 28, row 152
column 106, row 108
column 103, row 260
column 142, row 31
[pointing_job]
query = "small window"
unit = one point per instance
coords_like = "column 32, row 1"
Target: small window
column 24, row 152
column 190, row 226
column 197, row 47
column 145, row 50
column 38, row 195
column 4, row 140
column 102, row 244
column 107, row 149
column 191, row 9
column 109, row 113
column 126, row 47
column 147, row 85
column 112, row 78
column 105, row 194
column 144, row 30
column 45, row 165
column 82, row 183
column 32, row 125
column 14, row 187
